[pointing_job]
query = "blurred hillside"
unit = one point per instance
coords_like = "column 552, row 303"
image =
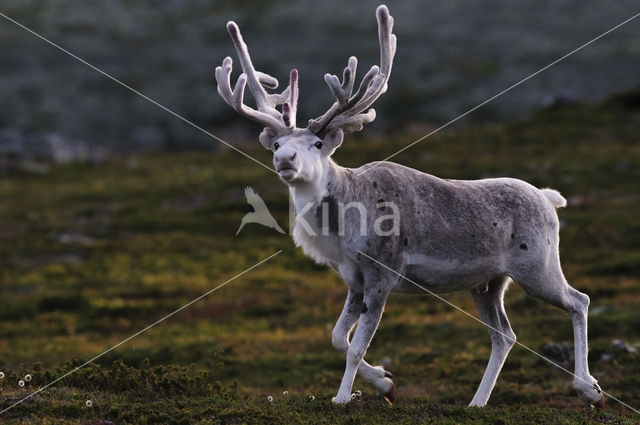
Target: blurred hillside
column 90, row 255
column 451, row 56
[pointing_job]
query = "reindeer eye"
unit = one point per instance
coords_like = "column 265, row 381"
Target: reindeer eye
column 276, row 145
column 318, row 145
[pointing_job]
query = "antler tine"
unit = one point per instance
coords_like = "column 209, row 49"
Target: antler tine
column 267, row 80
column 290, row 108
column 378, row 82
column 266, row 103
column 235, row 97
column 346, row 112
column 353, row 123
column 341, row 91
column 259, row 94
column 386, row 38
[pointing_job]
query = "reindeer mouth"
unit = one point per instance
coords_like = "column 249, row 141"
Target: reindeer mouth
column 287, row 173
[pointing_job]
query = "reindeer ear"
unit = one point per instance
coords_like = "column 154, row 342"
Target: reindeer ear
column 267, row 137
column 333, row 139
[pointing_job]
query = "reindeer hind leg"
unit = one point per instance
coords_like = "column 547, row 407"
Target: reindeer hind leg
column 550, row 285
column 491, row 309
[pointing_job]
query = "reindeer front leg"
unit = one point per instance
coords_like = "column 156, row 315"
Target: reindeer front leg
column 376, row 376
column 371, row 312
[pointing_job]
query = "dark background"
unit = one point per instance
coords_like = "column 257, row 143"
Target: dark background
column 451, row 56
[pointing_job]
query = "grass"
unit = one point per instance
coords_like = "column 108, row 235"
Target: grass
column 91, row 254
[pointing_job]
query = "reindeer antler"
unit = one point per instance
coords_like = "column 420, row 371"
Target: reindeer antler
column 347, row 112
column 266, row 103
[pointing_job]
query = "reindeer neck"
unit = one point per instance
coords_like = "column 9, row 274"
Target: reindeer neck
column 331, row 184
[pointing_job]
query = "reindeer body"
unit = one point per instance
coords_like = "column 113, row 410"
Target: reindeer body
column 453, row 235
column 446, row 235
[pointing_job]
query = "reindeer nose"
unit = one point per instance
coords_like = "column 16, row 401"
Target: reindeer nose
column 292, row 157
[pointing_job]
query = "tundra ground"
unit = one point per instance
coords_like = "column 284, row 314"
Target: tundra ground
column 91, row 254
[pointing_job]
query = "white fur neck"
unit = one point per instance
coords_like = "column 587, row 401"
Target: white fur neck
column 312, row 192
column 306, row 196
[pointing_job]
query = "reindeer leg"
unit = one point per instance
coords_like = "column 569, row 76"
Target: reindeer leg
column 375, row 376
column 491, row 309
column 551, row 286
column 372, row 308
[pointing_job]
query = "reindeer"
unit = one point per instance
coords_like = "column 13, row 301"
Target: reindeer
column 451, row 235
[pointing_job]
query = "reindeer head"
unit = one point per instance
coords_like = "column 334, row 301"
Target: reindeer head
column 301, row 154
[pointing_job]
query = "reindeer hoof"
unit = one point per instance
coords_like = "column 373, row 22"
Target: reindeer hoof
column 600, row 404
column 388, row 374
column 392, row 395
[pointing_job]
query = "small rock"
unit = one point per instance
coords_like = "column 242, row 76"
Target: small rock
column 622, row 346
column 33, row 167
column 559, row 352
column 564, row 98
column 601, row 309
column 47, row 147
column 609, row 418
column 576, row 200
column 68, row 259
column 623, row 165
column 605, row 357
column 69, row 238
column 385, row 362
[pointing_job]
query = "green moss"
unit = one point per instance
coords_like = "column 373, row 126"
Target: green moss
column 161, row 232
